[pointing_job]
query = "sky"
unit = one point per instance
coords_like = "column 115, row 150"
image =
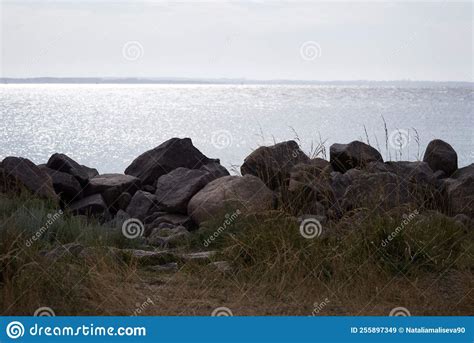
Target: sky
column 260, row 40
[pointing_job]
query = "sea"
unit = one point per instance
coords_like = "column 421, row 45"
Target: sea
column 106, row 126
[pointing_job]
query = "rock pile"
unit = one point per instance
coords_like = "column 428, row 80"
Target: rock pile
column 174, row 188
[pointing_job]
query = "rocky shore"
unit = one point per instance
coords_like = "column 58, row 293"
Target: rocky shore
column 176, row 186
column 176, row 212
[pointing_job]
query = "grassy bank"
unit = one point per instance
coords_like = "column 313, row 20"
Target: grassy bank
column 347, row 269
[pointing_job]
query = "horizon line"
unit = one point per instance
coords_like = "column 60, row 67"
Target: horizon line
column 183, row 80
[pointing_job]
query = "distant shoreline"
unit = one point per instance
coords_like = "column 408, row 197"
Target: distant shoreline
column 178, row 81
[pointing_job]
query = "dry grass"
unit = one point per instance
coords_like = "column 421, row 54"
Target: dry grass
column 426, row 268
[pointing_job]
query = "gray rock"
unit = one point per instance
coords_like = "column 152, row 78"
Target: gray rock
column 221, row 266
column 111, row 186
column 171, row 220
column 215, row 169
column 355, row 154
column 168, row 237
column 228, row 194
column 65, row 185
column 273, row 164
column 175, row 189
column 378, row 192
column 460, row 190
column 141, row 205
column 91, row 205
column 171, row 267
column 123, row 201
column 67, row 165
column 146, row 257
column 168, row 156
column 103, row 182
column 17, row 174
column 149, row 188
column 441, row 156
column 202, row 256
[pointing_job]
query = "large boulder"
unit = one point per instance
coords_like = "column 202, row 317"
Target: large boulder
column 175, row 189
column 460, row 189
column 18, row 173
column 90, row 206
column 142, row 204
column 441, row 156
column 230, row 193
column 173, row 153
column 65, row 164
column 355, row 154
column 65, row 185
column 273, row 163
column 111, row 186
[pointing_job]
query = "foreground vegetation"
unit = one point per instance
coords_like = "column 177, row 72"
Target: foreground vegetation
column 274, row 270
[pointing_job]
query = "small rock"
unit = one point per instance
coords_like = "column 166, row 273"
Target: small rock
column 171, row 267
column 221, row 266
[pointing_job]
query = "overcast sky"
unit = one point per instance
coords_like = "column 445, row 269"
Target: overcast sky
column 238, row 39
